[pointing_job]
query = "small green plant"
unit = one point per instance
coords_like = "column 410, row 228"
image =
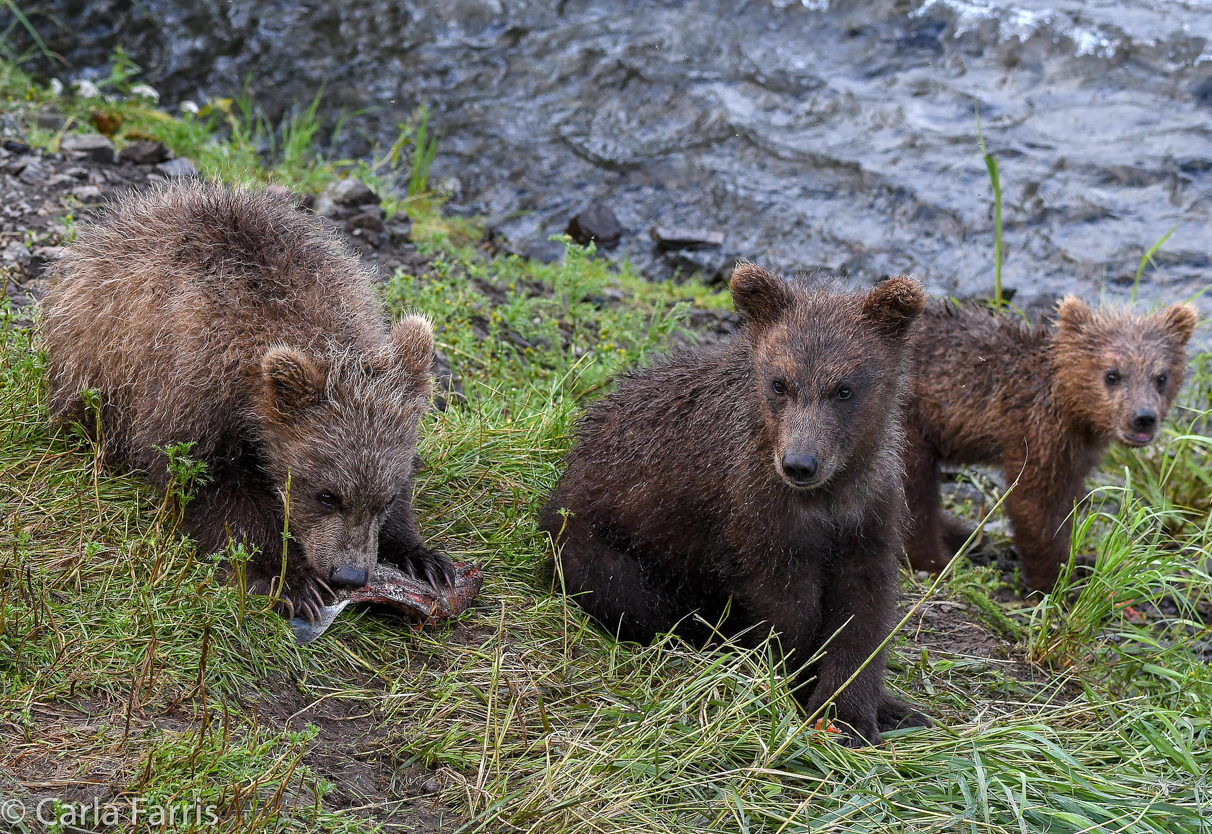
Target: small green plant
column 1148, row 258
column 122, row 72
column 298, row 133
column 424, row 151
column 1133, row 565
column 185, row 476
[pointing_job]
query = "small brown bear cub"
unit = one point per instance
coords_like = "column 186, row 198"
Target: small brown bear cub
column 766, row 470
column 1041, row 401
column 230, row 320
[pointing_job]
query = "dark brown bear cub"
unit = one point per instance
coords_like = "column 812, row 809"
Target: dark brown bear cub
column 232, row 321
column 765, row 470
column 1040, row 402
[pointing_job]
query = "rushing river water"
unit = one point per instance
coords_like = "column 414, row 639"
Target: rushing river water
column 817, row 134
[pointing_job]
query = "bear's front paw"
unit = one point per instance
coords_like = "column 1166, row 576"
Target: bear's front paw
column 430, row 566
column 859, row 732
column 894, row 714
column 302, row 595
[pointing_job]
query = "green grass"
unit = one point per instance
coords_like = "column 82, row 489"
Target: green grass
column 130, row 669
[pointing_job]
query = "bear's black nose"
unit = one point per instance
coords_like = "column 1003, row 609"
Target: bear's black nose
column 799, row 468
column 1144, row 420
column 348, row 575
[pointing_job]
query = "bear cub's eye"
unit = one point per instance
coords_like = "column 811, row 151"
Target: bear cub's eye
column 1161, row 381
column 779, row 387
column 844, row 392
column 327, row 499
column 1112, row 377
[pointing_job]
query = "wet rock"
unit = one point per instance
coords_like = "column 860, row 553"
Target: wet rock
column 369, row 236
column 14, row 136
column 349, row 192
column 597, row 224
column 399, row 229
column 710, row 266
column 325, row 206
column 92, row 147
column 42, row 256
column 369, row 218
column 678, row 237
column 15, row 253
column 76, row 173
column 177, row 168
column 545, row 251
column 455, row 210
column 89, row 195
column 1041, row 306
column 723, row 273
column 33, row 173
column 19, row 164
column 145, row 152
column 51, row 118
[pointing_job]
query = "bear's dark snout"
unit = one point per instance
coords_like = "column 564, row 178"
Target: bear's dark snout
column 800, row 468
column 1144, row 420
column 348, row 575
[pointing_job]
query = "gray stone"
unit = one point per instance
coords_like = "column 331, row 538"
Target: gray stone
column 177, row 168
column 399, row 229
column 91, row 146
column 545, row 251
column 19, row 164
column 50, row 118
column 90, row 195
column 33, row 173
column 598, row 224
column 146, row 152
column 676, row 237
column 15, row 253
column 369, row 220
column 350, row 192
column 325, row 207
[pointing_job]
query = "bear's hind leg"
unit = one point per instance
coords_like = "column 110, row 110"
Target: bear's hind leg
column 925, row 541
column 955, row 534
column 612, row 586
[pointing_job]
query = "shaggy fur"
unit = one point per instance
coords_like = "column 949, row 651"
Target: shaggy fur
column 765, row 470
column 1041, row 401
column 232, row 321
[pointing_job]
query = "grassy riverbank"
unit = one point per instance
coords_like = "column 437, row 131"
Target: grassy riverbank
column 130, row 674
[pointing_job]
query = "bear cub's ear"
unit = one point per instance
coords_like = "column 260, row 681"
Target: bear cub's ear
column 760, row 296
column 295, row 382
column 894, row 304
column 1073, row 314
column 412, row 343
column 1179, row 321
